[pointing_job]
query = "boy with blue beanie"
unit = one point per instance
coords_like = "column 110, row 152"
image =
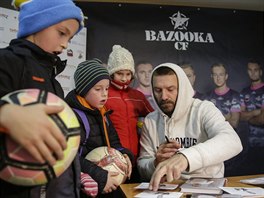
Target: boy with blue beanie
column 31, row 61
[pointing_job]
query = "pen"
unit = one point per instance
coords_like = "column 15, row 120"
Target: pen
column 167, row 139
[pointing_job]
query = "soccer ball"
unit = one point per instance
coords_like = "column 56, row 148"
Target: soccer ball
column 17, row 166
column 110, row 159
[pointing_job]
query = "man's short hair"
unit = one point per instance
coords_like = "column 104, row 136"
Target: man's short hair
column 255, row 62
column 161, row 71
column 142, row 62
column 185, row 65
column 219, row 65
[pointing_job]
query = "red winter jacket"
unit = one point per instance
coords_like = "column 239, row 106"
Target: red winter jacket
column 128, row 105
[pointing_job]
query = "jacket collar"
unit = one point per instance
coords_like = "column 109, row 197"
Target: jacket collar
column 28, row 49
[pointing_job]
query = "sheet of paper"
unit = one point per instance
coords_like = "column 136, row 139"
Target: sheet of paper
column 159, row 194
column 257, row 181
column 145, row 185
column 244, row 191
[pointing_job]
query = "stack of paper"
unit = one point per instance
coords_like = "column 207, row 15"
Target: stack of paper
column 254, row 181
column 203, row 185
column 164, row 191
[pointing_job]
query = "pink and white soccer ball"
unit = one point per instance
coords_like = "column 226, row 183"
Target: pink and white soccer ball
column 17, row 166
column 110, row 159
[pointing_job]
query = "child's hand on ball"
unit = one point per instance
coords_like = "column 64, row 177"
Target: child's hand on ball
column 30, row 127
column 129, row 166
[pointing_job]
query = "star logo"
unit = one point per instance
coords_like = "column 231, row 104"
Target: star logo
column 179, row 21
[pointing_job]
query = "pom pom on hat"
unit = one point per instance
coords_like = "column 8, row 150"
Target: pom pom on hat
column 120, row 59
column 36, row 15
column 87, row 74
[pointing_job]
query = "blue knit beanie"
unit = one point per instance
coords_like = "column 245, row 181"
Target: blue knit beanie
column 36, row 15
column 87, row 74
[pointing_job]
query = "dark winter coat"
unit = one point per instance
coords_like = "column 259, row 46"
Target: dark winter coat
column 25, row 65
column 96, row 139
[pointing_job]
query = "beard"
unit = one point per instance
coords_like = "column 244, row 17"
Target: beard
column 255, row 79
column 167, row 106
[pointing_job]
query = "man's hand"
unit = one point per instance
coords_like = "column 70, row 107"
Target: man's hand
column 171, row 168
column 31, row 128
column 258, row 119
column 166, row 150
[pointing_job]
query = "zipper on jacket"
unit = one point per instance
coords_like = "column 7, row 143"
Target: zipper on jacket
column 55, row 66
column 55, row 69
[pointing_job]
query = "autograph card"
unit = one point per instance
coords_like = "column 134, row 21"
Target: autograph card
column 145, row 185
column 163, row 194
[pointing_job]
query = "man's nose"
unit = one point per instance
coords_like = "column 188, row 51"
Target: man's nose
column 164, row 95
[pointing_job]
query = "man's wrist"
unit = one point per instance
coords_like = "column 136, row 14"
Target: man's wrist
column 185, row 158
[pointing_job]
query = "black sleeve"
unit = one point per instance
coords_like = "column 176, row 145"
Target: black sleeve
column 2, row 102
column 11, row 72
column 96, row 172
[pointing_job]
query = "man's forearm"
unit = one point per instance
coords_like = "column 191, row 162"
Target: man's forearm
column 258, row 120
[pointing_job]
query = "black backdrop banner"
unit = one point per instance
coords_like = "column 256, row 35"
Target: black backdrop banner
column 159, row 34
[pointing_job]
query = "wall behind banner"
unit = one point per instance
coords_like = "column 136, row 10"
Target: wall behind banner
column 201, row 36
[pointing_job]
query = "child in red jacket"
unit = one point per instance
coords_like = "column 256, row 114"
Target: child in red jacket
column 128, row 104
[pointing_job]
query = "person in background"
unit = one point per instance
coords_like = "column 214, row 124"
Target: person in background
column 89, row 96
column 185, row 137
column 143, row 71
column 32, row 61
column 190, row 73
column 127, row 104
column 228, row 102
column 225, row 99
column 252, row 112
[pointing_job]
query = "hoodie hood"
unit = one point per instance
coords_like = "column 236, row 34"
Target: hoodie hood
column 185, row 92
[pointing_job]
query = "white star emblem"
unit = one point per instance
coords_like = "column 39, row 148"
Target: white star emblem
column 178, row 21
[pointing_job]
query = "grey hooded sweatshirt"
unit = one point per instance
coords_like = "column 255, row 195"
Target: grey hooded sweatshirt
column 207, row 140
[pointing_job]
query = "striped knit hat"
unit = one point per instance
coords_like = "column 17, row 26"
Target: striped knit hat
column 87, row 74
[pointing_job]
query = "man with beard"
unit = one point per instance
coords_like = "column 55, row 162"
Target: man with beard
column 252, row 111
column 184, row 137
